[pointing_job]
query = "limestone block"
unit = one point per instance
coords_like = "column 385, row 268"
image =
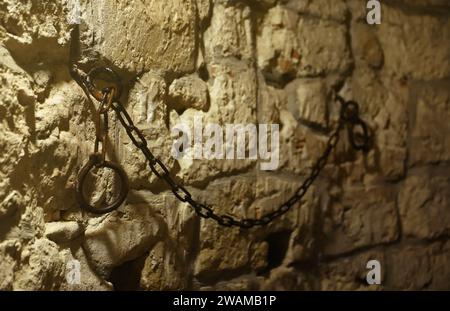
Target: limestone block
column 271, row 192
column 271, row 101
column 10, row 204
column 180, row 219
column 392, row 162
column 154, row 34
column 148, row 109
column 233, row 94
column 183, row 224
column 216, row 255
column 439, row 259
column 366, row 47
column 384, row 107
column 349, row 273
column 163, row 269
column 423, row 205
column 122, row 236
column 336, row 10
column 62, row 231
column 300, row 146
column 365, row 217
column 10, row 255
column 254, row 196
column 283, row 278
column 430, row 126
column 230, row 32
column 17, row 99
column 323, row 47
column 37, row 32
column 43, row 267
column 57, row 148
column 258, row 255
column 401, row 270
column 302, row 242
column 428, row 265
column 277, row 45
column 30, row 223
column 89, row 279
column 414, row 46
column 307, row 101
column 189, row 92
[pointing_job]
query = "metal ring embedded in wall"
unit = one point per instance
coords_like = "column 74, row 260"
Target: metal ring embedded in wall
column 359, row 141
column 92, row 76
column 96, row 161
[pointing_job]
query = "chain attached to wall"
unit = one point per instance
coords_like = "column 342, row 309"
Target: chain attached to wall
column 109, row 100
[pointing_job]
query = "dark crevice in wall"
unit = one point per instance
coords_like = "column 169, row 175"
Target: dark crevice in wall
column 203, row 73
column 127, row 276
column 277, row 81
column 278, row 246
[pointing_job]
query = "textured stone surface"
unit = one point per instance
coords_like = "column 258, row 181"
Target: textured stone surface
column 163, row 269
column 425, row 215
column 429, row 142
column 308, row 101
column 43, row 267
column 89, row 278
column 233, row 25
column 246, row 61
column 429, row 265
column 59, row 231
column 121, row 236
column 189, row 92
column 353, row 224
column 426, row 34
column 153, row 34
column 323, row 47
column 349, row 273
column 277, row 45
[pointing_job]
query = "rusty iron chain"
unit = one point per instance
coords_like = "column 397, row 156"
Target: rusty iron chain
column 349, row 116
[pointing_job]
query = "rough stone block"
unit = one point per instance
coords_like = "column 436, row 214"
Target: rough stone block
column 424, row 201
column 230, row 32
column 189, row 92
column 154, row 35
column 430, row 127
column 307, row 101
column 406, row 40
column 365, row 217
column 323, row 47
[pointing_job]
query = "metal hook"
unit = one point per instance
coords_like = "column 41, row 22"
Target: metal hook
column 359, row 141
column 350, row 115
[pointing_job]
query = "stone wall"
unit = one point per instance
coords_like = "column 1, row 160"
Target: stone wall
column 253, row 61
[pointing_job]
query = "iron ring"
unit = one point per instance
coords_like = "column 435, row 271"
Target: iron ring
column 96, row 161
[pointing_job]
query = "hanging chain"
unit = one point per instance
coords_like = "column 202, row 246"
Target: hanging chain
column 102, row 128
column 349, row 116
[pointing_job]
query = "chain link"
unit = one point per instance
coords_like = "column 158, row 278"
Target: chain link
column 349, row 115
column 102, row 129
